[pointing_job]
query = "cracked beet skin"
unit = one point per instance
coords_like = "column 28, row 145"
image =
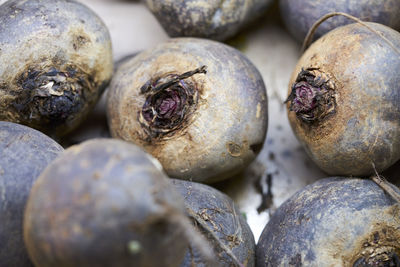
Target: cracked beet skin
column 344, row 100
column 300, row 15
column 198, row 106
column 104, row 202
column 217, row 20
column 218, row 212
column 24, row 153
column 55, row 62
column 333, row 222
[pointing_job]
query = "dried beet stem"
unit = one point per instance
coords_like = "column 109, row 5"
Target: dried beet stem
column 202, row 69
column 385, row 185
column 314, row 27
column 205, row 227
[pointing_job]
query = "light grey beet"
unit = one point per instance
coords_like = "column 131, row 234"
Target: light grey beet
column 24, row 153
column 56, row 60
column 344, row 95
column 336, row 221
column 198, row 106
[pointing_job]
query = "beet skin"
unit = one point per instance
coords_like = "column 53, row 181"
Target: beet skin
column 300, row 15
column 24, row 153
column 104, row 203
column 198, row 106
column 215, row 209
column 56, row 60
column 333, row 222
column 344, row 100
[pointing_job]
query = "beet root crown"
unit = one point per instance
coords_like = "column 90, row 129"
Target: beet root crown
column 170, row 102
column 312, row 97
column 52, row 96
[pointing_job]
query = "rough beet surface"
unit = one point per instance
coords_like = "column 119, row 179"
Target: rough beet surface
column 218, row 212
column 333, row 222
column 55, row 62
column 198, row 106
column 343, row 102
column 216, row 20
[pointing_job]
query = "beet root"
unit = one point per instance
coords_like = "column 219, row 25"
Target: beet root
column 343, row 102
column 56, row 60
column 300, row 15
column 333, row 222
column 198, row 106
column 104, row 203
column 214, row 214
column 24, row 153
column 217, row 20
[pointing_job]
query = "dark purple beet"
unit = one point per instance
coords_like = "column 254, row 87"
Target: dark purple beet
column 217, row 20
column 213, row 211
column 300, row 15
column 24, row 153
column 334, row 222
column 106, row 203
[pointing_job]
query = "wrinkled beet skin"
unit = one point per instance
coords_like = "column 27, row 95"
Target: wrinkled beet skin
column 364, row 129
column 228, row 127
column 41, row 36
column 24, row 153
column 325, row 223
column 97, row 197
column 217, row 20
column 300, row 15
column 220, row 211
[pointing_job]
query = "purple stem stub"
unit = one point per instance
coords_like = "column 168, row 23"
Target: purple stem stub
column 305, row 99
column 169, row 103
column 311, row 98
